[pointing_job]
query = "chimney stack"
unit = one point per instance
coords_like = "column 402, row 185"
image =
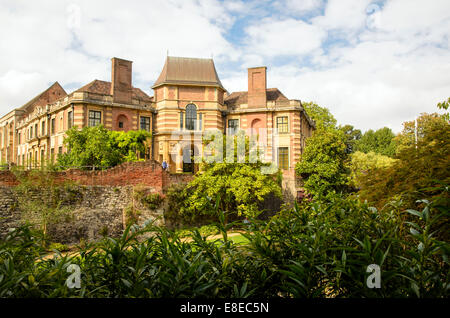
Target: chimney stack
column 121, row 88
column 257, row 85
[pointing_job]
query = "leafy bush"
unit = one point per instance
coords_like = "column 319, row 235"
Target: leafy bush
column 313, row 250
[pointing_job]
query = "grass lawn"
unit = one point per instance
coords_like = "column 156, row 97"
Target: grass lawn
column 235, row 237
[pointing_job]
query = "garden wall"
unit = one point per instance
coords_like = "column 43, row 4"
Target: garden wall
column 100, row 201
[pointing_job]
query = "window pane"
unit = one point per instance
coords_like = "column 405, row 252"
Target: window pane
column 283, row 158
column 145, row 123
column 69, row 119
column 282, row 124
column 191, row 117
column 233, row 126
column 94, row 118
column 181, row 120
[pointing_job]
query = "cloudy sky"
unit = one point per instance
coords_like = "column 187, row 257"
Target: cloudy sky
column 372, row 63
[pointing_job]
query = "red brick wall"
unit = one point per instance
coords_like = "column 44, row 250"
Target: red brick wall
column 191, row 93
column 7, row 179
column 257, row 87
column 147, row 173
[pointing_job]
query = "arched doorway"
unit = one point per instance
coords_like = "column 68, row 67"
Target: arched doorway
column 189, row 153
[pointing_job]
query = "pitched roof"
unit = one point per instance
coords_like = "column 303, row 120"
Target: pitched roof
column 104, row 88
column 190, row 71
column 45, row 97
column 237, row 98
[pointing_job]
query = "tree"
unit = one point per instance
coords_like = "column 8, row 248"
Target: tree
column 321, row 115
column 234, row 188
column 444, row 105
column 322, row 164
column 101, row 148
column 422, row 164
column 352, row 134
column 132, row 144
column 361, row 164
column 380, row 141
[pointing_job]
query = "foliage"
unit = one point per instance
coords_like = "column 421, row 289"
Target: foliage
column 131, row 144
column 147, row 198
column 321, row 115
column 444, row 105
column 352, row 134
column 238, row 189
column 420, row 166
column 322, row 164
column 319, row 249
column 362, row 164
column 98, row 147
column 381, row 141
column 41, row 200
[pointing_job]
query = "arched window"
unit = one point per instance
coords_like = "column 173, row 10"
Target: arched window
column 191, row 117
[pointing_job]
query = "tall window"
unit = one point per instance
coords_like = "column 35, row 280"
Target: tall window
column 52, row 127
column 200, row 121
column 42, row 157
column 35, row 130
column 283, row 158
column 95, row 118
column 191, row 117
column 69, row 120
column 282, row 125
column 233, row 126
column 43, row 128
column 181, row 121
column 145, row 123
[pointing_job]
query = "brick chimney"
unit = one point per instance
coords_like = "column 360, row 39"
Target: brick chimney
column 257, row 85
column 121, row 88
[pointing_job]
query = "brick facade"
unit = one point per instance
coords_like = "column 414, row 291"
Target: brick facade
column 35, row 132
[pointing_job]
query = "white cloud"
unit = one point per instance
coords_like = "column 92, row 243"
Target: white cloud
column 296, row 7
column 73, row 41
column 343, row 14
column 394, row 64
column 272, row 37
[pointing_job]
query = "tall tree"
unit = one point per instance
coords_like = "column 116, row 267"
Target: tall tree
column 321, row 115
column 322, row 165
column 352, row 135
column 422, row 163
column 101, row 148
column 380, row 141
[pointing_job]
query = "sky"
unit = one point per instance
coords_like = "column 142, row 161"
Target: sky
column 371, row 63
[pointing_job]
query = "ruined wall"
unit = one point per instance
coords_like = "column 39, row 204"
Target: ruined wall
column 100, row 201
column 92, row 212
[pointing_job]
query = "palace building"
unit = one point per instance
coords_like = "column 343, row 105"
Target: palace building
column 189, row 99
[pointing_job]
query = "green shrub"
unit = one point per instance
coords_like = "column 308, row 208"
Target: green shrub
column 316, row 249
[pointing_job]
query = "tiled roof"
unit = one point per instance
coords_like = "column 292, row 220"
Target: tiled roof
column 45, row 97
column 237, row 98
column 104, row 88
column 190, row 71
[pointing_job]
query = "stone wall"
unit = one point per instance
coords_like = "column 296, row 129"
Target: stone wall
column 91, row 212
